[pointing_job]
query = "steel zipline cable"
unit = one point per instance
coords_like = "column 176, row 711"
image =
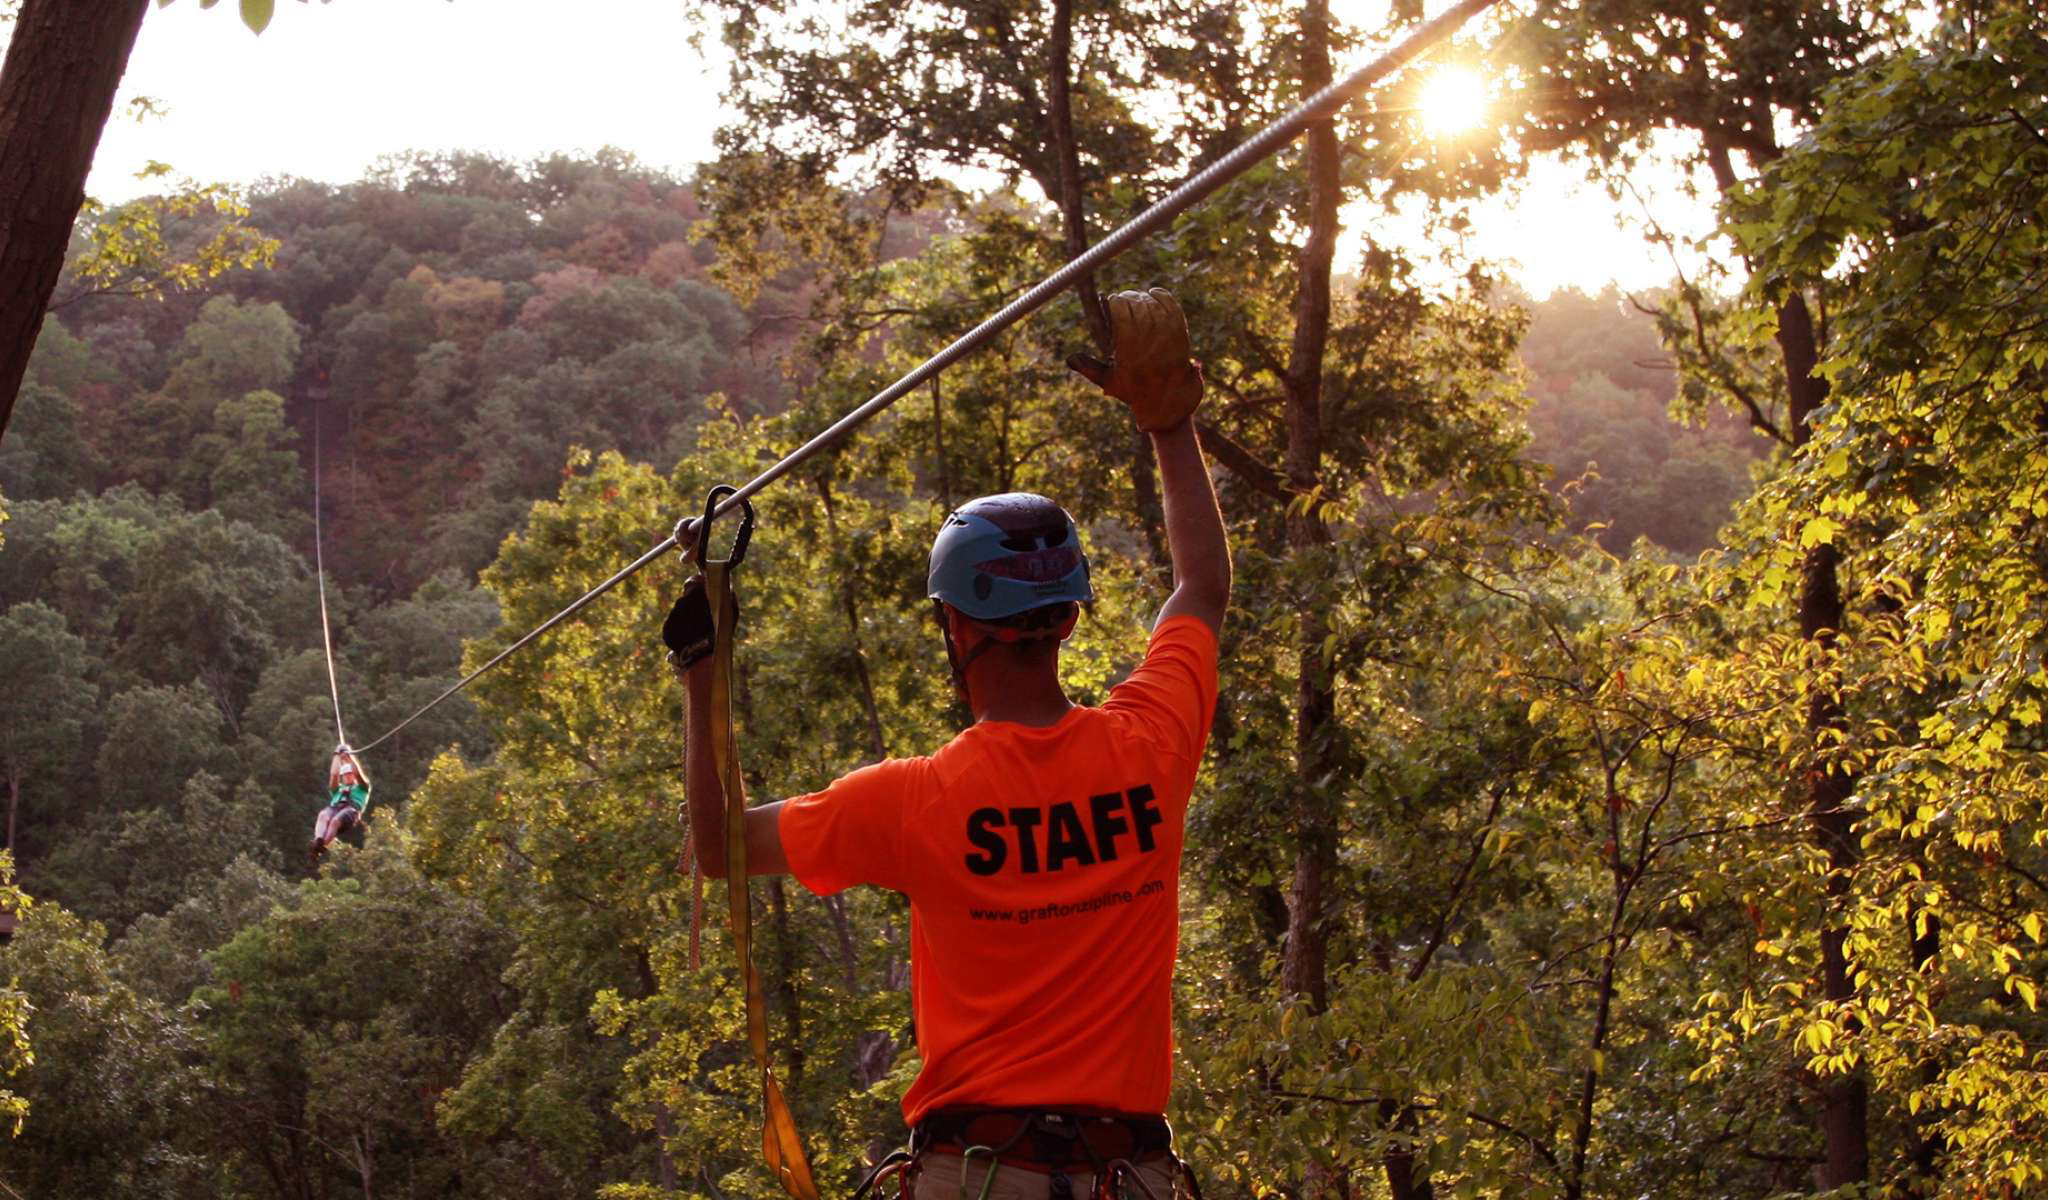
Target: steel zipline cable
column 320, row 574
column 1198, row 187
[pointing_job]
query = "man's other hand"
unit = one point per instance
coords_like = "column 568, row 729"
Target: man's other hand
column 687, row 632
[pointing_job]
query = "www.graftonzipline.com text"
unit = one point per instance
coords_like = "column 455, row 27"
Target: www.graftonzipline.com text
column 1024, row 916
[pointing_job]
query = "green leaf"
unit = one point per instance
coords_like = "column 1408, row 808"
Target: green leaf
column 1819, row 531
column 256, row 14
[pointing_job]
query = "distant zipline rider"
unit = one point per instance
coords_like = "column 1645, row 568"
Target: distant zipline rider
column 348, row 797
column 1040, row 848
column 348, row 787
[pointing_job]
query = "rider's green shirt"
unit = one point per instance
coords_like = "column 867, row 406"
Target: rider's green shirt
column 355, row 793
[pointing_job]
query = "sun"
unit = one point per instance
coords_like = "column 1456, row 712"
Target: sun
column 1452, row 101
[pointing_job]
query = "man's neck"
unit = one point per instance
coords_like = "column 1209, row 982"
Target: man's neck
column 999, row 690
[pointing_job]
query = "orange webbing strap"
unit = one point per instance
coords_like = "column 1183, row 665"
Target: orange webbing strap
column 780, row 1144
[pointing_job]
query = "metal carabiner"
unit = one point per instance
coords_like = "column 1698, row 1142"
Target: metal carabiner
column 738, row 553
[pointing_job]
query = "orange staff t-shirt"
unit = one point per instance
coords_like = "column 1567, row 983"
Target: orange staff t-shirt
column 1043, row 870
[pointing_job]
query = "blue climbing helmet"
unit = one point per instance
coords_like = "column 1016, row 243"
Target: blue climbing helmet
column 1002, row 555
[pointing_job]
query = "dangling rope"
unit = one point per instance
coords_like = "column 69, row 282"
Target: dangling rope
column 320, row 574
column 781, row 1145
column 1321, row 106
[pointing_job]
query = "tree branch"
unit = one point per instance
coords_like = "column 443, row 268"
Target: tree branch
column 2027, row 125
column 1248, row 467
column 1443, row 920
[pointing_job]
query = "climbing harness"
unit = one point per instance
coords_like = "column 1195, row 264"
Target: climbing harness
column 780, row 1144
column 1049, row 1143
column 1198, row 187
column 897, row 1163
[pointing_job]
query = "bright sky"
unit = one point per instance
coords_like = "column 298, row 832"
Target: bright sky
column 328, row 89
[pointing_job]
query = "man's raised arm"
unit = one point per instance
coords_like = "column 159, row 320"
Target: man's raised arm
column 1194, row 529
column 688, row 634
column 1152, row 372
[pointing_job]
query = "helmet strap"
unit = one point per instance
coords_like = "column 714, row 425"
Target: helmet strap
column 953, row 662
column 992, row 636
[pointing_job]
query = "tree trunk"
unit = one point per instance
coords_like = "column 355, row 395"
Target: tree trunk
column 1305, row 964
column 665, row 1174
column 1589, row 1079
column 1066, row 153
column 57, row 88
column 1603, row 1011
column 786, row 989
column 664, row 1120
column 945, row 481
column 362, row 1149
column 1145, row 501
column 850, row 604
column 842, row 932
column 1923, row 1138
column 1845, row 1099
column 1405, row 1181
column 1068, row 194
column 1304, row 969
column 301, row 1179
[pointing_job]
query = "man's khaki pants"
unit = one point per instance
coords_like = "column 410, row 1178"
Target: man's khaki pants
column 939, row 1177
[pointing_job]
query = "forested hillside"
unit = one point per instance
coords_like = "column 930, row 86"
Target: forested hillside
column 1600, row 801
column 439, row 337
column 1602, row 392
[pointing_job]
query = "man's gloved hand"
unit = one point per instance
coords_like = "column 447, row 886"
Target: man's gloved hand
column 688, row 633
column 1149, row 367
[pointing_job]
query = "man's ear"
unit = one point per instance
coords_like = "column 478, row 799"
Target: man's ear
column 959, row 625
column 1067, row 626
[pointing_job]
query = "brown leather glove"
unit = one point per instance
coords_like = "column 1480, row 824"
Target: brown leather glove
column 1149, row 368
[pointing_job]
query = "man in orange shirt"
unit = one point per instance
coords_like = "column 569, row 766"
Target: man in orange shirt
column 1040, row 848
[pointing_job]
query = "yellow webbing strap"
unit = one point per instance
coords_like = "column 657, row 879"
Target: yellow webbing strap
column 780, row 1145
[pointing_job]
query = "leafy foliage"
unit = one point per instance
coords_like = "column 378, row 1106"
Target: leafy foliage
column 164, row 244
